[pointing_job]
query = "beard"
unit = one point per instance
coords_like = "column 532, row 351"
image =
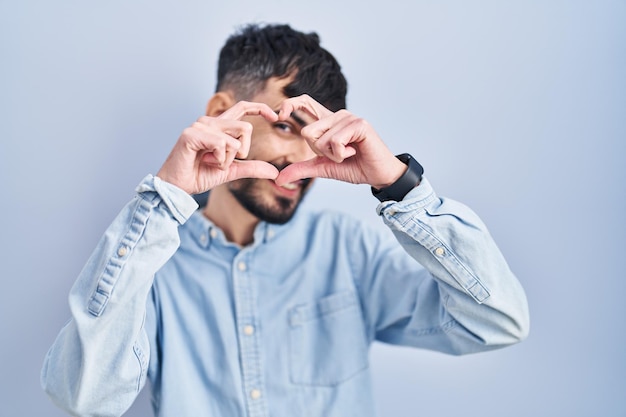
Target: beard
column 277, row 211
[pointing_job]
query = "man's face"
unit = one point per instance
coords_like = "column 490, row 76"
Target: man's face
column 280, row 144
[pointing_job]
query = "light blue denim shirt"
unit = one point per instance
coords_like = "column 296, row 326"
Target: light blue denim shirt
column 281, row 327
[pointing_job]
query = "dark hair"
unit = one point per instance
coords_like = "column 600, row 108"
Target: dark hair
column 256, row 53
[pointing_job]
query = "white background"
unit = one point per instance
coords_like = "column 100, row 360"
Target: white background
column 516, row 108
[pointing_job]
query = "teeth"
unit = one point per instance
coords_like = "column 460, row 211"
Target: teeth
column 290, row 186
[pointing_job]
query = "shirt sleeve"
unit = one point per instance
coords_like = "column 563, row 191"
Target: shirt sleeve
column 459, row 297
column 98, row 363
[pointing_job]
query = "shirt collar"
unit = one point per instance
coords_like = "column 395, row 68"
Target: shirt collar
column 206, row 233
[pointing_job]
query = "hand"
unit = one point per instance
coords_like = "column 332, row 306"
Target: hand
column 347, row 148
column 204, row 155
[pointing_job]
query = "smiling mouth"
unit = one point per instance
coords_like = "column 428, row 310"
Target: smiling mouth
column 295, row 185
column 291, row 186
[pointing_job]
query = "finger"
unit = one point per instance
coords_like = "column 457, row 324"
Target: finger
column 315, row 130
column 252, row 169
column 215, row 157
column 247, row 108
column 239, row 130
column 217, row 149
column 210, row 158
column 303, row 103
column 332, row 136
column 340, row 152
column 312, row 168
column 243, row 133
column 334, row 150
column 228, row 159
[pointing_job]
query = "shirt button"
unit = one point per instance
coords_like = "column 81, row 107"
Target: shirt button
column 203, row 238
column 213, row 233
column 270, row 234
column 242, row 266
column 255, row 394
column 392, row 212
column 248, row 330
column 439, row 251
column 122, row 251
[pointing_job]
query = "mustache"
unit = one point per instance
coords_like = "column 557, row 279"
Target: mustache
column 304, row 181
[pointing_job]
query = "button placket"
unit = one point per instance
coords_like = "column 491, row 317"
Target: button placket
column 249, row 345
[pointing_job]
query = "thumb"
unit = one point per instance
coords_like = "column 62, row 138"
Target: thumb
column 252, row 169
column 312, row 168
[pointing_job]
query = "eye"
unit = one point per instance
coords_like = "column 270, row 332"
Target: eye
column 284, row 127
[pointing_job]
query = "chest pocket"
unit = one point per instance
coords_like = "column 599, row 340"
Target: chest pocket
column 327, row 341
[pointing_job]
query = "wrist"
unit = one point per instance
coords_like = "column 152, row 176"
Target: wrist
column 402, row 185
column 394, row 172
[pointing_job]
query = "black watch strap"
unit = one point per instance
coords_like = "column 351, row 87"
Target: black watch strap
column 405, row 183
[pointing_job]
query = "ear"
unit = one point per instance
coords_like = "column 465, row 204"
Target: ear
column 219, row 103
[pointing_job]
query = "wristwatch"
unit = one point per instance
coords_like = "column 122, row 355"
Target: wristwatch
column 409, row 180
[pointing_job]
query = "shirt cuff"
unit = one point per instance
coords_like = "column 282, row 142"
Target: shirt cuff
column 180, row 204
column 419, row 197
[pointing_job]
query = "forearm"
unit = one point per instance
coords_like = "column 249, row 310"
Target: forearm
column 477, row 288
column 98, row 363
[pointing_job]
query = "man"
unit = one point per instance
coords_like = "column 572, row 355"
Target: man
column 252, row 306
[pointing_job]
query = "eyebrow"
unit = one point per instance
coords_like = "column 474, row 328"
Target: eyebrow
column 295, row 117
